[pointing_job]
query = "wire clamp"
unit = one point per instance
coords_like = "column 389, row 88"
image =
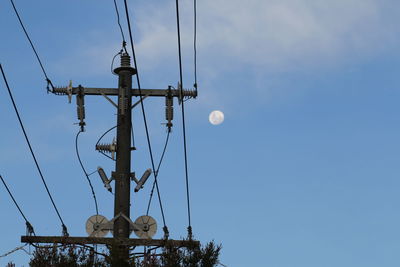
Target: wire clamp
column 64, row 230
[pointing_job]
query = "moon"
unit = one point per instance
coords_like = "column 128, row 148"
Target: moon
column 216, row 117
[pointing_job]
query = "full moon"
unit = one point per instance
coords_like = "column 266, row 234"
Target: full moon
column 216, row 117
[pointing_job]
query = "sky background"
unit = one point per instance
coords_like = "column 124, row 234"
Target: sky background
column 304, row 171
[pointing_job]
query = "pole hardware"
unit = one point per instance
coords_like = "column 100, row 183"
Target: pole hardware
column 114, row 92
column 69, row 91
column 121, row 149
column 80, row 103
column 108, row 148
column 140, row 183
column 129, row 242
column 140, row 100
column 98, row 225
column 169, row 108
column 104, row 178
column 109, row 100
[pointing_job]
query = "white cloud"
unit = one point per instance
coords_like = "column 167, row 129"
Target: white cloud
column 264, row 37
column 274, row 34
column 271, row 34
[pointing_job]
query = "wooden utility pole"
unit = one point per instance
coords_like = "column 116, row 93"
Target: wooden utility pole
column 122, row 175
column 122, row 224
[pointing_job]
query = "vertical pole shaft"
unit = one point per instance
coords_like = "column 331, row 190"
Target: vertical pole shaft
column 123, row 160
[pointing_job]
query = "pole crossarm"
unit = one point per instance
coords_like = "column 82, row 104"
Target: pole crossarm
column 109, row 241
column 114, row 91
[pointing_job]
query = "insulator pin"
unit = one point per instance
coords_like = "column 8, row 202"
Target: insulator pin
column 108, row 148
column 125, row 60
column 80, row 107
column 58, row 90
column 189, row 93
column 169, row 109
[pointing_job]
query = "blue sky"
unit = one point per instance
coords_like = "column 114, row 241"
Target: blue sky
column 303, row 172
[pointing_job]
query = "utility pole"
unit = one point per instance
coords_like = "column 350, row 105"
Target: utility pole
column 121, row 224
column 122, row 175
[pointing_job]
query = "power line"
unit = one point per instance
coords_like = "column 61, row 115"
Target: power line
column 124, row 49
column 86, row 174
column 112, row 62
column 14, row 250
column 143, row 111
column 183, row 119
column 49, row 83
column 195, row 42
column 65, row 231
column 119, row 25
column 156, row 173
column 28, row 224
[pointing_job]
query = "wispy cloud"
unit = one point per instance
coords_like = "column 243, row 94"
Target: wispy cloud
column 275, row 34
column 278, row 34
column 266, row 37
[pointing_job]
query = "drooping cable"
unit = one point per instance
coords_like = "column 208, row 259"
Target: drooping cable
column 64, row 228
column 156, row 173
column 101, row 137
column 195, row 42
column 86, row 174
column 183, row 118
column 28, row 224
column 112, row 62
column 49, row 83
column 143, row 112
column 119, row 25
column 106, row 132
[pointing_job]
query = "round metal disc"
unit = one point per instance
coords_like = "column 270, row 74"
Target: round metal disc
column 146, row 227
column 93, row 226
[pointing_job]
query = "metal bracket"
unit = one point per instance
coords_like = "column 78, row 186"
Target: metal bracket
column 109, row 100
column 110, row 224
column 137, row 103
column 133, row 177
column 69, row 91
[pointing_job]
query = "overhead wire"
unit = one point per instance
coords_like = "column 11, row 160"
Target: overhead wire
column 49, row 83
column 29, row 226
column 64, row 228
column 156, row 173
column 144, row 114
column 119, row 25
column 124, row 49
column 14, row 250
column 195, row 42
column 86, row 174
column 183, row 118
column 112, row 62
